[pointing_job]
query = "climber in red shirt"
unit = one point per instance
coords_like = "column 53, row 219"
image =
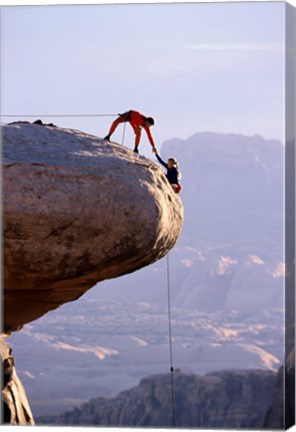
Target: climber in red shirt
column 137, row 122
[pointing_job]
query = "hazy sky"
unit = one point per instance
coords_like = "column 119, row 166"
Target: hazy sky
column 194, row 67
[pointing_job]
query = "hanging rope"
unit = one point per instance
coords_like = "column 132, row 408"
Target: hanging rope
column 171, row 344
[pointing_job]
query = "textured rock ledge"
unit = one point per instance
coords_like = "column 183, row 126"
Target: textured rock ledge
column 77, row 210
column 16, row 408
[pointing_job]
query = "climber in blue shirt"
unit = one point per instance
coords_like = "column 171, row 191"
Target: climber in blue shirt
column 173, row 174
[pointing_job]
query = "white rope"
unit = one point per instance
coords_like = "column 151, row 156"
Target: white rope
column 171, row 344
column 123, row 133
column 56, row 115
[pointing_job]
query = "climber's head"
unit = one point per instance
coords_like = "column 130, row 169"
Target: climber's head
column 172, row 162
column 150, row 121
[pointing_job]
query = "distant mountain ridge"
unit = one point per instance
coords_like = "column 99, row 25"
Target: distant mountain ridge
column 229, row 178
column 229, row 399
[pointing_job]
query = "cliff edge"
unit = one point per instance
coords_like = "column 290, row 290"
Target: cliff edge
column 77, row 210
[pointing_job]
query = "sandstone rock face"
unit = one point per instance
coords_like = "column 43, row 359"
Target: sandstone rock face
column 16, row 408
column 77, row 210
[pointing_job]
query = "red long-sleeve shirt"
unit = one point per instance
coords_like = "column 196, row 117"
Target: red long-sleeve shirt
column 137, row 121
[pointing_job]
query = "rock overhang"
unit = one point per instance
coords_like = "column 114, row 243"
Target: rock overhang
column 77, row 210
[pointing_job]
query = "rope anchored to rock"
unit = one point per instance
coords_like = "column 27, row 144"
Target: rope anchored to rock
column 57, row 115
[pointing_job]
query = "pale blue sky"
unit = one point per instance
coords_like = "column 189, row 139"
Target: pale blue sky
column 194, row 67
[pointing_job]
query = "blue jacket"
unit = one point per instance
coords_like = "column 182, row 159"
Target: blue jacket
column 172, row 173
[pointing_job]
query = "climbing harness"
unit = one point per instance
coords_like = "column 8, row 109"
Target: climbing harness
column 171, row 343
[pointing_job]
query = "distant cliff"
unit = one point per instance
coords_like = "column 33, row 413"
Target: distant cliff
column 76, row 210
column 281, row 414
column 229, row 399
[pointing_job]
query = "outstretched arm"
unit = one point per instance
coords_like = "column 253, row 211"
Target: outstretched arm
column 149, row 136
column 161, row 161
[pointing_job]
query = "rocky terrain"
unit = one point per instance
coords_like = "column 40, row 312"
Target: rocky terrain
column 77, row 210
column 228, row 400
column 71, row 207
column 281, row 413
column 101, row 347
column 16, row 409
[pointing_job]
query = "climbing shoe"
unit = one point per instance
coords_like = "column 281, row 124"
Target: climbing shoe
column 136, row 150
column 107, row 138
